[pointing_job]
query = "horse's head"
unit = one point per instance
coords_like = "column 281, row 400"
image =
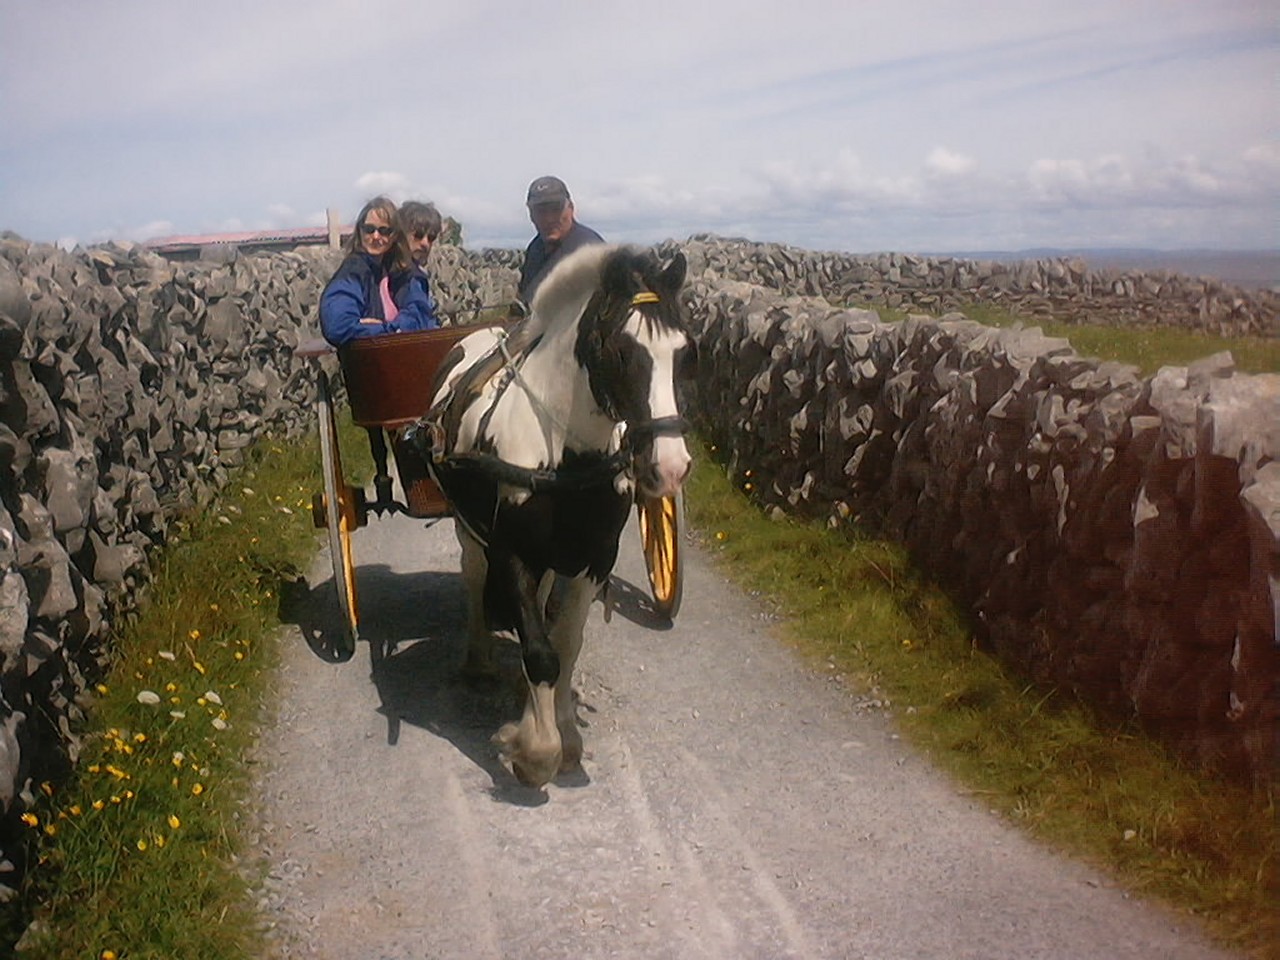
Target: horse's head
column 633, row 341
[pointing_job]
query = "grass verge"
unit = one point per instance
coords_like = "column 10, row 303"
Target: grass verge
column 138, row 854
column 1111, row 797
column 1147, row 348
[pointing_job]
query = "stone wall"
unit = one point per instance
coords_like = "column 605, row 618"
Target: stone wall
column 129, row 386
column 1115, row 536
column 1081, row 508
column 1065, row 288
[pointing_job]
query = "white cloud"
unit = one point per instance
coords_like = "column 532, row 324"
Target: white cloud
column 392, row 184
column 942, row 162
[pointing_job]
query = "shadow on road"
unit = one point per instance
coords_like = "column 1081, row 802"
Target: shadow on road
column 629, row 601
column 415, row 625
column 315, row 611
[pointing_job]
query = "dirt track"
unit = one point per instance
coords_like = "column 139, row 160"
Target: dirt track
column 734, row 804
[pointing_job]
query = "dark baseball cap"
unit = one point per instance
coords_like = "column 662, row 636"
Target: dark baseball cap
column 547, row 190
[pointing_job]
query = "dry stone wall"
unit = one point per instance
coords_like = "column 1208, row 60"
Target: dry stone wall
column 1115, row 536
column 1063, row 287
column 129, row 387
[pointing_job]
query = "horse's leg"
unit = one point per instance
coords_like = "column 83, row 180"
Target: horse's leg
column 532, row 745
column 568, row 612
column 481, row 661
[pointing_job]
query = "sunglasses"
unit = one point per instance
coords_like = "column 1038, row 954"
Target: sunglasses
column 368, row 229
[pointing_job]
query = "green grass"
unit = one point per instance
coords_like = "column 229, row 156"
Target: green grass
column 1147, row 348
column 1111, row 797
column 138, row 854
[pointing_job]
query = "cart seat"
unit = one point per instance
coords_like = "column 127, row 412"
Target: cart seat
column 389, row 378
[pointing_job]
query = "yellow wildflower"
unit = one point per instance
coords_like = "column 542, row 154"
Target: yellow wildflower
column 46, row 788
column 194, row 634
column 50, row 829
column 139, row 738
column 142, row 844
column 98, row 804
column 197, row 789
column 107, row 955
column 159, row 839
column 102, row 688
column 75, row 810
column 31, row 820
column 198, row 665
column 174, row 822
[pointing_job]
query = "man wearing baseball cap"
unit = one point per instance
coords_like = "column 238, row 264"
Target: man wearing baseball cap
column 551, row 210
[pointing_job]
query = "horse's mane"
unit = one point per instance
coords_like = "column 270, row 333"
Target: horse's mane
column 572, row 280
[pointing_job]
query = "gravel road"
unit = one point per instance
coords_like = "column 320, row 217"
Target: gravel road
column 735, row 803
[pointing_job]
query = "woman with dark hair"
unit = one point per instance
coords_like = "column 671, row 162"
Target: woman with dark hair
column 377, row 289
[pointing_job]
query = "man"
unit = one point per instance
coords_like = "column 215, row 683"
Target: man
column 559, row 234
column 422, row 224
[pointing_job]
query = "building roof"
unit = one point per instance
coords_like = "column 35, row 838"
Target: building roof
column 291, row 235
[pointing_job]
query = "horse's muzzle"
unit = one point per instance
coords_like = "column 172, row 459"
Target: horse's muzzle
column 662, row 474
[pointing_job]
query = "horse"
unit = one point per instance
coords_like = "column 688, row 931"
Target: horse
column 540, row 438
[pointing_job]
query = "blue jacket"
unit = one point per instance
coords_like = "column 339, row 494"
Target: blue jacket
column 352, row 294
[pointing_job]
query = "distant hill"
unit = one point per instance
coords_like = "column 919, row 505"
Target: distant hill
column 1252, row 269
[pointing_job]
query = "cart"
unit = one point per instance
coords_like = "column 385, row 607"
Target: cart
column 389, row 381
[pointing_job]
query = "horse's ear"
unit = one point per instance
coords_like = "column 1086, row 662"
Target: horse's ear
column 673, row 276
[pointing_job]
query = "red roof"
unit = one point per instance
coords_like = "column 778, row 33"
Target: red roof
column 289, row 235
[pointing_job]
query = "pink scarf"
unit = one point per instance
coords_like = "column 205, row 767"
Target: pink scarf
column 389, row 308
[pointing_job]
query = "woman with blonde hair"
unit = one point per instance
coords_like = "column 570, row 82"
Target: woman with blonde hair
column 377, row 289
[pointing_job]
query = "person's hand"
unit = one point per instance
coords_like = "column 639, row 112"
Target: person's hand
column 371, row 320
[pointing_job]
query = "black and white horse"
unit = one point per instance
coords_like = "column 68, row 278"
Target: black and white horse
column 530, row 448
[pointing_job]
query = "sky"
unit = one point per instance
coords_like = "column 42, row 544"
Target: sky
column 912, row 126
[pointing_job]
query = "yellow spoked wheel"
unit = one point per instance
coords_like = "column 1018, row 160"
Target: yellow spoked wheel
column 661, row 519
column 339, row 509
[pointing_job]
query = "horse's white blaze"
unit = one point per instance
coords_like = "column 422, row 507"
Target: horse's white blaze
column 671, row 457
